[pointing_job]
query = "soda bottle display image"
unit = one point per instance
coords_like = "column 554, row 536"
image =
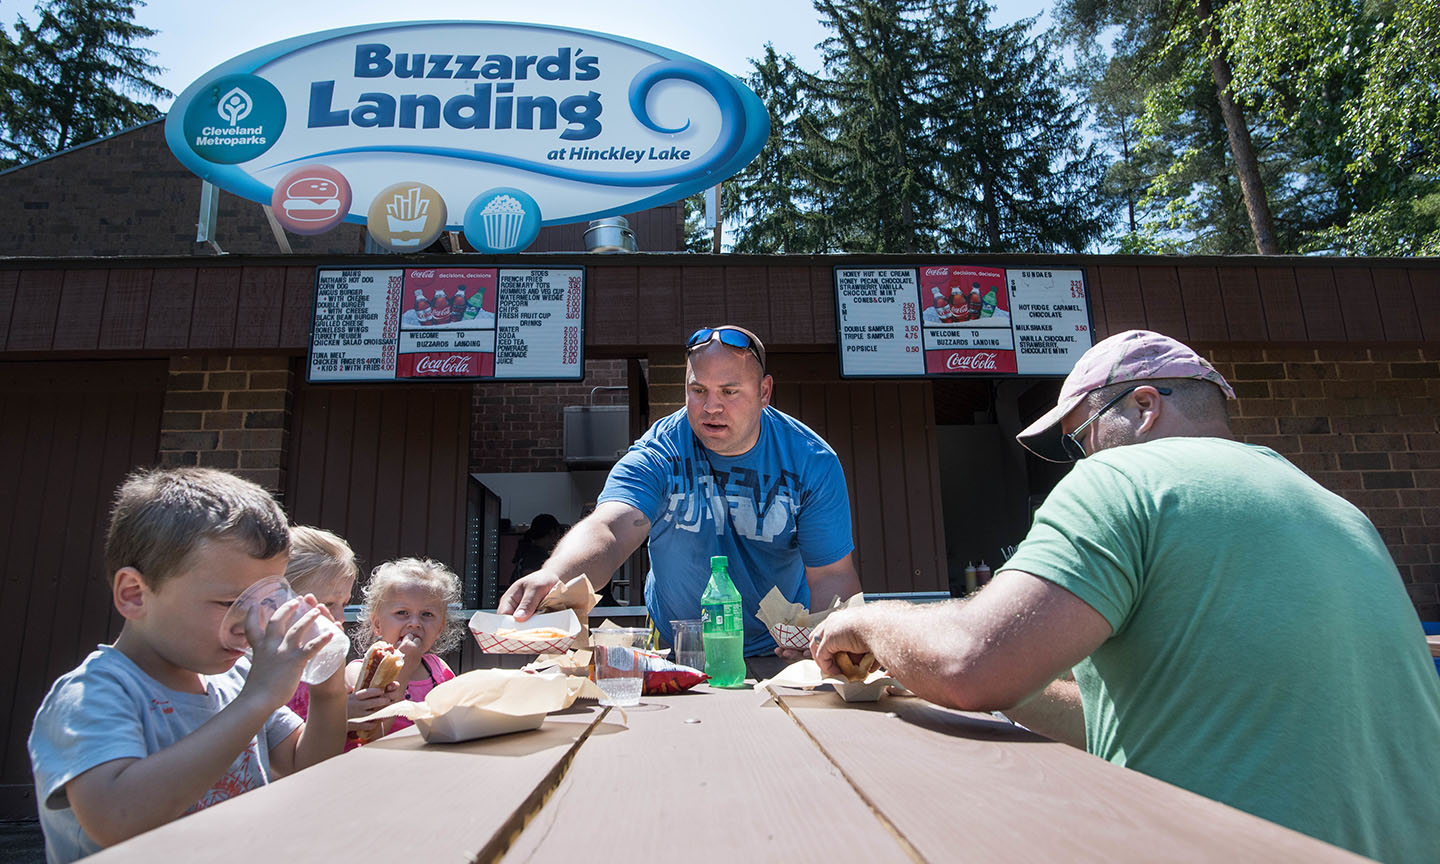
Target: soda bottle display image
column 475, row 304
column 457, row 303
column 975, row 300
column 422, row 308
column 724, row 629
column 987, row 306
column 440, row 309
column 942, row 309
column 958, row 306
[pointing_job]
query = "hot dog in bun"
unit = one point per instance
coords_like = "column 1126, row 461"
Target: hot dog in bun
column 382, row 664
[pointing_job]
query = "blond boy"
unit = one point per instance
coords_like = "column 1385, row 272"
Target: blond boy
column 165, row 721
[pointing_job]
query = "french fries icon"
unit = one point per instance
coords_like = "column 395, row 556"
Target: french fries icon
column 852, row 669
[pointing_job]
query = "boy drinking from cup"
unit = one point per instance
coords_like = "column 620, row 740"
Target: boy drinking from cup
column 166, row 721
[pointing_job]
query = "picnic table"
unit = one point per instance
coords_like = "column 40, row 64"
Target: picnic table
column 726, row 775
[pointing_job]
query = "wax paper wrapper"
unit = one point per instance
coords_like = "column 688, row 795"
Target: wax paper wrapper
column 485, row 702
column 806, row 675
column 579, row 595
column 792, row 623
column 484, row 627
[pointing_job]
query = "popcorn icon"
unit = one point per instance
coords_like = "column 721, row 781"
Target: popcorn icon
column 406, row 214
column 503, row 217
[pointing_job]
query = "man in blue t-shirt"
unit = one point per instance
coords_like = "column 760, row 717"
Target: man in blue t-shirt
column 728, row 475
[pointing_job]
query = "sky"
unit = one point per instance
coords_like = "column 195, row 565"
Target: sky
column 196, row 36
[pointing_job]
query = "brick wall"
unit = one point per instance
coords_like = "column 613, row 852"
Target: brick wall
column 520, row 427
column 1365, row 423
column 231, row 413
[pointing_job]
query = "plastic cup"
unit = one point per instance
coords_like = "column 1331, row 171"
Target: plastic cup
column 618, row 670
column 689, row 643
column 270, row 594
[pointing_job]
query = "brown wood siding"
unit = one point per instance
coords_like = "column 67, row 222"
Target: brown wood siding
column 645, row 301
column 69, row 433
column 895, row 497
column 383, row 467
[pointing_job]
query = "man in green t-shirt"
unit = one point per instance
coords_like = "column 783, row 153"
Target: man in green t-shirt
column 1233, row 627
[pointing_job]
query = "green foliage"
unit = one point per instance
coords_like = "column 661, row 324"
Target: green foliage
column 1341, row 97
column 66, row 78
column 924, row 131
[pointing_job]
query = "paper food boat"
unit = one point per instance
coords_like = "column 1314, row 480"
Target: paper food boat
column 806, row 675
column 486, row 702
column 791, row 636
column 484, row 626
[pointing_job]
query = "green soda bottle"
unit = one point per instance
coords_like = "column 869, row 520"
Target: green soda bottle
column 475, row 304
column 987, row 306
column 724, row 628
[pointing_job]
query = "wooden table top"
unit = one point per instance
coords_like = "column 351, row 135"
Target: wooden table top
column 726, row 775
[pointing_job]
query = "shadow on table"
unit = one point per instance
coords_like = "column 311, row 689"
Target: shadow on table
column 915, row 711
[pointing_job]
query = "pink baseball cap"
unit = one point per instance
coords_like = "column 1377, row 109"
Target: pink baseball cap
column 1135, row 355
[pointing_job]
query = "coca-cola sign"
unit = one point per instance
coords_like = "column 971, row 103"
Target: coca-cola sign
column 970, row 361
column 445, row 364
column 454, row 364
column 980, row 361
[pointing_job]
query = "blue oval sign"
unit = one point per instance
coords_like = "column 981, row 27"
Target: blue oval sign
column 581, row 124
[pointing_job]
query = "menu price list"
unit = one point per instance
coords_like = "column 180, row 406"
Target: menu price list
column 357, row 320
column 538, row 330
column 986, row 320
column 879, row 322
column 537, row 324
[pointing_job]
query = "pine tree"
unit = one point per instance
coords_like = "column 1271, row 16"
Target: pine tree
column 924, row 131
column 777, row 200
column 1016, row 175
column 66, row 78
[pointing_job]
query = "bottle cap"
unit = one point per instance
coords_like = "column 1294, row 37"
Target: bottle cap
column 719, row 561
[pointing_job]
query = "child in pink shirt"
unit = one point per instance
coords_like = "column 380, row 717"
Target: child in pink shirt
column 407, row 604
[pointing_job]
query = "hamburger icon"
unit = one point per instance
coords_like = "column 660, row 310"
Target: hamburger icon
column 311, row 199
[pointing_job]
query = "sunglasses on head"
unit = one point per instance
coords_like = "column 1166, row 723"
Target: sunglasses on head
column 729, row 336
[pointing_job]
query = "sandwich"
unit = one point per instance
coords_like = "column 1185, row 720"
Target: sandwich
column 381, row 665
column 853, row 669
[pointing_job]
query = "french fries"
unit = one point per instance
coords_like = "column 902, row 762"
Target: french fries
column 852, row 669
column 533, row 634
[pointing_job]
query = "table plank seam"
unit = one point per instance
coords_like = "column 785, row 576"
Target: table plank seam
column 510, row 830
column 884, row 820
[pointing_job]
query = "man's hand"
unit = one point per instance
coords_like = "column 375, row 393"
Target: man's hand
column 790, row 655
column 842, row 630
column 524, row 596
column 279, row 651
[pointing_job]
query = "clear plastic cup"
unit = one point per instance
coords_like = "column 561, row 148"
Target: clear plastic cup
column 270, row 594
column 689, row 642
column 618, row 671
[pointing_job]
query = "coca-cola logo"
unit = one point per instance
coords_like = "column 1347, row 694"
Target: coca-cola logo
column 455, row 364
column 422, row 274
column 937, row 271
column 980, row 361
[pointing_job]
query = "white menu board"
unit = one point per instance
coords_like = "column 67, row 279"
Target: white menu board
column 457, row 323
column 960, row 319
column 538, row 323
column 879, row 321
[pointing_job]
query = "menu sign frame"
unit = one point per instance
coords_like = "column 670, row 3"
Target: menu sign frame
column 378, row 324
column 961, row 320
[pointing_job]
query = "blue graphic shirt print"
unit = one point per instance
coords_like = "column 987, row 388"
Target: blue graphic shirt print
column 772, row 511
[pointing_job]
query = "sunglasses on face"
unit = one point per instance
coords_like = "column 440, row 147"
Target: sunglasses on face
column 729, row 336
column 1070, row 441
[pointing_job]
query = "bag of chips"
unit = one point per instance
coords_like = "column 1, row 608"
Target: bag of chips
column 662, row 676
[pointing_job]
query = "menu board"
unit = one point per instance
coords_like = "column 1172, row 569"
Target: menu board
column 960, row 319
column 456, row 323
